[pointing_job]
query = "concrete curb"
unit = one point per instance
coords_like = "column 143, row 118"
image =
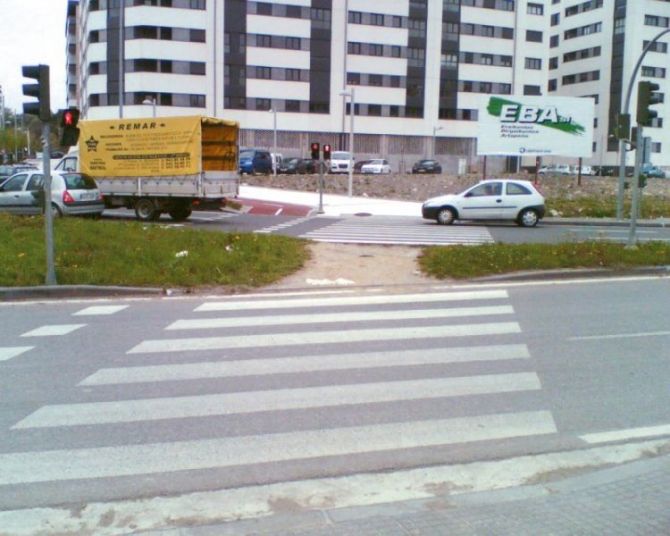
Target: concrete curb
column 75, row 291
column 573, row 273
column 604, row 222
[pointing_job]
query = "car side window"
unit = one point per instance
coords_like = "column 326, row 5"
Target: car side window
column 517, row 189
column 35, row 182
column 15, row 184
column 481, row 190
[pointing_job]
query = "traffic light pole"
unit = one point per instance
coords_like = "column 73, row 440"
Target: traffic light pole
column 320, row 211
column 626, row 110
column 48, row 212
column 635, row 188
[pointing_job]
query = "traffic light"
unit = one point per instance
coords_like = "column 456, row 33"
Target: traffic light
column 315, row 150
column 68, row 124
column 621, row 129
column 326, row 151
column 647, row 97
column 41, row 108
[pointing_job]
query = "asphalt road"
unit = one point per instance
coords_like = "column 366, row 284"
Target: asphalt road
column 295, row 221
column 122, row 399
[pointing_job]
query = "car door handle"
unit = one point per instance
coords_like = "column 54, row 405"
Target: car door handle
column 498, row 200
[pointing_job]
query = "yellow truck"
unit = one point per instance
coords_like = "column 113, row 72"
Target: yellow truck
column 160, row 164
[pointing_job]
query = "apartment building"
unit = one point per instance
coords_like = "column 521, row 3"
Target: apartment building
column 415, row 69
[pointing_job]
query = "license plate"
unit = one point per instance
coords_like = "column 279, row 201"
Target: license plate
column 88, row 196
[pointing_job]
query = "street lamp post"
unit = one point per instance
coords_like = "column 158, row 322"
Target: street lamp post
column 352, row 95
column 435, row 129
column 275, row 163
column 152, row 102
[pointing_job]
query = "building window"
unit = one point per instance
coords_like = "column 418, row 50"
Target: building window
column 374, row 109
column 653, row 72
column 555, row 19
column 534, row 63
column 535, row 9
column 355, row 17
column 375, row 80
column 354, row 79
column 532, row 90
column 553, row 41
column 292, row 75
column 654, row 20
column 264, row 41
column 656, row 147
column 375, row 49
column 552, row 85
column 263, row 8
column 395, row 51
column 264, row 73
column 293, row 43
column 553, row 63
column 292, row 106
column 449, row 60
column 354, row 48
column 376, row 19
column 533, row 36
column 656, row 47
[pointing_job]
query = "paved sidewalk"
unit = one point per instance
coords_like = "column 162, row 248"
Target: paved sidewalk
column 632, row 499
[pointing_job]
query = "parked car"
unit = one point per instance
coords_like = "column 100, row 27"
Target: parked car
column 71, row 194
column 9, row 170
column 586, row 170
column 496, row 199
column 652, row 172
column 555, row 169
column 289, row 166
column 358, row 165
column 255, row 161
column 340, row 161
column 427, row 166
column 378, row 166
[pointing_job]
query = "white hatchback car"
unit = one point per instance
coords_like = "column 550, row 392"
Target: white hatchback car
column 71, row 194
column 377, row 166
column 496, row 199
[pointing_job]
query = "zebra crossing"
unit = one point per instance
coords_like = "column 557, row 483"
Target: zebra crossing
column 282, row 359
column 399, row 231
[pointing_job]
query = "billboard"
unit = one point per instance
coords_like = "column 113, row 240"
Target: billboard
column 138, row 147
column 535, row 126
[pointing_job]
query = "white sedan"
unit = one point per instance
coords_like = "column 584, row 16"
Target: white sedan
column 377, row 166
column 497, row 199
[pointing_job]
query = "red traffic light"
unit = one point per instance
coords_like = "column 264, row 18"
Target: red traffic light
column 326, row 151
column 69, row 117
column 315, row 150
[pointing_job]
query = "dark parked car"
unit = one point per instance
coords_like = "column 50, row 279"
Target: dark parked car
column 427, row 166
column 255, row 161
column 9, row 170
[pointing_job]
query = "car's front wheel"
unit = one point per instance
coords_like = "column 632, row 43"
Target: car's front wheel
column 528, row 218
column 446, row 216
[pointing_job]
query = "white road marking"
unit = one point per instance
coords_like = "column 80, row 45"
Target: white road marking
column 620, row 336
column 323, row 337
column 312, row 363
column 53, row 330
column 210, row 323
column 8, row 352
column 236, row 305
column 100, row 310
column 154, row 409
column 129, row 460
column 630, row 433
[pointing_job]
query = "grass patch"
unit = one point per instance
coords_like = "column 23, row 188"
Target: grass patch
column 134, row 254
column 475, row 261
column 605, row 206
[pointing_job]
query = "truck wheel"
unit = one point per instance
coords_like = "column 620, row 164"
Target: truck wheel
column 145, row 210
column 180, row 213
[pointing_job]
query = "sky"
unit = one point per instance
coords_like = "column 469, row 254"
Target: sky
column 32, row 32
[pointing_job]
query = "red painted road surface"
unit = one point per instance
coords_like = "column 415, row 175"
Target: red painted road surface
column 273, row 208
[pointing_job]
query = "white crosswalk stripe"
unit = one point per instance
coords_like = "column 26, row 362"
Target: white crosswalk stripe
column 86, row 463
column 407, row 231
column 474, row 351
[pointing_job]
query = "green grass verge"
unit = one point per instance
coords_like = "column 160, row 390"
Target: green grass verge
column 129, row 253
column 605, row 206
column 460, row 262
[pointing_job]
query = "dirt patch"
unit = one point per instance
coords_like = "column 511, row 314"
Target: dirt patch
column 342, row 265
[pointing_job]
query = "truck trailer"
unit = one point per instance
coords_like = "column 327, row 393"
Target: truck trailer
column 159, row 164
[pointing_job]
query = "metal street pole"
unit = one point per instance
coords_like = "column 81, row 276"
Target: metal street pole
column 626, row 110
column 351, row 142
column 274, row 141
column 435, row 129
column 635, row 188
column 48, row 213
column 16, row 142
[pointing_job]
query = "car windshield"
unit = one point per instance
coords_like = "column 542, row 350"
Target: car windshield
column 247, row 154
column 341, row 155
column 77, row 181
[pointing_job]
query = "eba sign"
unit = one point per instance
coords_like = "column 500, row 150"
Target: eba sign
column 535, row 126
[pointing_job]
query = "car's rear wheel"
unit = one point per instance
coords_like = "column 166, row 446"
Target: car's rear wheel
column 528, row 218
column 446, row 216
